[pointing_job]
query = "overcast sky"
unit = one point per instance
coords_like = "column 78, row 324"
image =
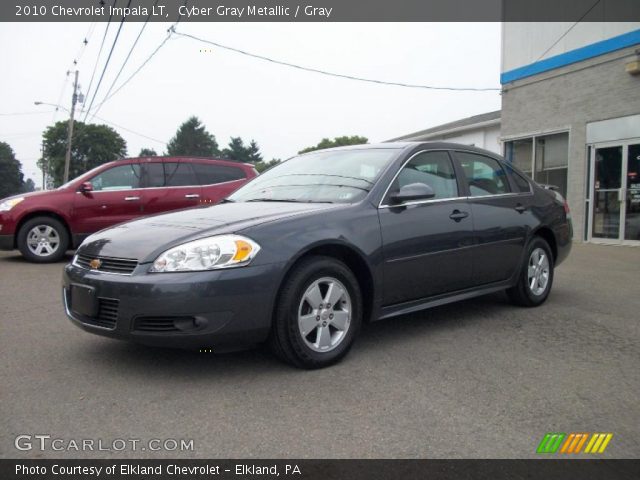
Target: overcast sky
column 283, row 109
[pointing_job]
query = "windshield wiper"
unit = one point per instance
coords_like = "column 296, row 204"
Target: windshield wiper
column 227, row 200
column 326, row 175
column 286, row 200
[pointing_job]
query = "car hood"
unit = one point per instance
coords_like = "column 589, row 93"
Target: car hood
column 146, row 238
column 31, row 195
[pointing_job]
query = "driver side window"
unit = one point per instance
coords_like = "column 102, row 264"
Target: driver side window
column 122, row 177
column 431, row 168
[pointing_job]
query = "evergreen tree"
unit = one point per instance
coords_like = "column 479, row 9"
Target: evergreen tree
column 147, row 152
column 11, row 178
column 192, row 139
column 336, row 142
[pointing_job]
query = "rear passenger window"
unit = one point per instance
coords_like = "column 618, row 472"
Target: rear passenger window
column 209, row 174
column 179, row 174
column 431, row 168
column 153, row 174
column 521, row 183
column 484, row 175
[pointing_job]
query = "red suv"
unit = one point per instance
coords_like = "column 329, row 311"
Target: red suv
column 44, row 225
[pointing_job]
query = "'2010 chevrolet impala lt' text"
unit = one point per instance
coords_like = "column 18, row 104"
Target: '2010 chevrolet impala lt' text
column 300, row 256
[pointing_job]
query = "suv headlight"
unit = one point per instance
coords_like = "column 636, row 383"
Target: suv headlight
column 10, row 203
column 211, row 253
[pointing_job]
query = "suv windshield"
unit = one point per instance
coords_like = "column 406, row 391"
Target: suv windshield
column 341, row 176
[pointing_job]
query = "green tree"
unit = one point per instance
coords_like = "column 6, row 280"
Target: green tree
column 92, row 145
column 11, row 178
column 238, row 151
column 28, row 186
column 336, row 142
column 262, row 166
column 254, row 153
column 147, row 152
column 194, row 140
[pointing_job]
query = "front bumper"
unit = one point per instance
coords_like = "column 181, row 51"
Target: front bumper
column 7, row 242
column 219, row 310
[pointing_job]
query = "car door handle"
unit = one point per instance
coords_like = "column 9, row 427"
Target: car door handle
column 192, row 195
column 131, row 199
column 457, row 215
column 520, row 208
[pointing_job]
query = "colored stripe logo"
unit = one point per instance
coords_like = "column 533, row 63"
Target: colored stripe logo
column 573, row 443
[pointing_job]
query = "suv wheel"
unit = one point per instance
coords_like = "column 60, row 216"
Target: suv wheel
column 536, row 276
column 318, row 314
column 43, row 239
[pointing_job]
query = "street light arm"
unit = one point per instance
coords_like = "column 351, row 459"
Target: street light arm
column 52, row 105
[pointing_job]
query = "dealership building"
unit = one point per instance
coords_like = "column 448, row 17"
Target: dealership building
column 570, row 117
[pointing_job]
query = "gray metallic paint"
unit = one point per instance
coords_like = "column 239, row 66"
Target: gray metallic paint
column 413, row 264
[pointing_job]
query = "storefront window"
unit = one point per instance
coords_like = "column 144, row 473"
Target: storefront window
column 551, row 160
column 547, row 163
column 520, row 153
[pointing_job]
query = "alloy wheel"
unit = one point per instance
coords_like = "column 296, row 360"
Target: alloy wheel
column 43, row 240
column 538, row 271
column 324, row 314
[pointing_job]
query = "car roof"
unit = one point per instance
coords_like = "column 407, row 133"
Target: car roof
column 410, row 146
column 183, row 158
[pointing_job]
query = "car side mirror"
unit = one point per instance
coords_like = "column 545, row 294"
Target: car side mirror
column 413, row 191
column 86, row 187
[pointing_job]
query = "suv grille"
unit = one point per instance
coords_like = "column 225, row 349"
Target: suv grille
column 123, row 266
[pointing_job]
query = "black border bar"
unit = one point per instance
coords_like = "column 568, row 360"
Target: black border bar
column 323, row 10
column 547, row 469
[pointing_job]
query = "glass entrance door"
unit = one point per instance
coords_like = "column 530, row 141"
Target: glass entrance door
column 615, row 205
column 632, row 194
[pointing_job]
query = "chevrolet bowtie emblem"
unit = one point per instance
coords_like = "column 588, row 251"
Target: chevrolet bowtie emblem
column 95, row 264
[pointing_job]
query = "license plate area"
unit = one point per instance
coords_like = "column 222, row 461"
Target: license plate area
column 83, row 300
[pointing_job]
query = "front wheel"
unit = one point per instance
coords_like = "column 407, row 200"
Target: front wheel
column 318, row 315
column 536, row 276
column 43, row 240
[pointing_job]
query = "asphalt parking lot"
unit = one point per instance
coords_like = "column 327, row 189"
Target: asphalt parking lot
column 476, row 379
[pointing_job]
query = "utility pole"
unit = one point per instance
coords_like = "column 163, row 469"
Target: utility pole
column 74, row 100
column 44, row 175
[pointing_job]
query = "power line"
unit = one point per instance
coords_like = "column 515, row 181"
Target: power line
column 75, row 62
column 543, row 54
column 104, row 37
column 130, row 131
column 333, row 74
column 15, row 114
column 104, row 70
column 138, row 69
column 125, row 61
column 569, row 30
column 170, row 31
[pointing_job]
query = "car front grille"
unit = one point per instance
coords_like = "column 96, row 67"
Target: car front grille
column 123, row 266
column 107, row 315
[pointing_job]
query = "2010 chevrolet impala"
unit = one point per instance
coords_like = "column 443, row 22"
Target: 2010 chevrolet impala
column 300, row 256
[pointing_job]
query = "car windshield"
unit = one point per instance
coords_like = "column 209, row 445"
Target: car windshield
column 338, row 176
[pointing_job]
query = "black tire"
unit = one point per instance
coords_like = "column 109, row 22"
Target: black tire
column 59, row 229
column 521, row 293
column 286, row 340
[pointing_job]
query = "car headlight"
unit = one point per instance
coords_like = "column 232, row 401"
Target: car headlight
column 10, row 203
column 211, row 253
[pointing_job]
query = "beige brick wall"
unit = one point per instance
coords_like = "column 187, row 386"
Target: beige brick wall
column 569, row 98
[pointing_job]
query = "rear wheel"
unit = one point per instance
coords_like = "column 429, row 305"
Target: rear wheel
column 318, row 314
column 43, row 239
column 536, row 275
